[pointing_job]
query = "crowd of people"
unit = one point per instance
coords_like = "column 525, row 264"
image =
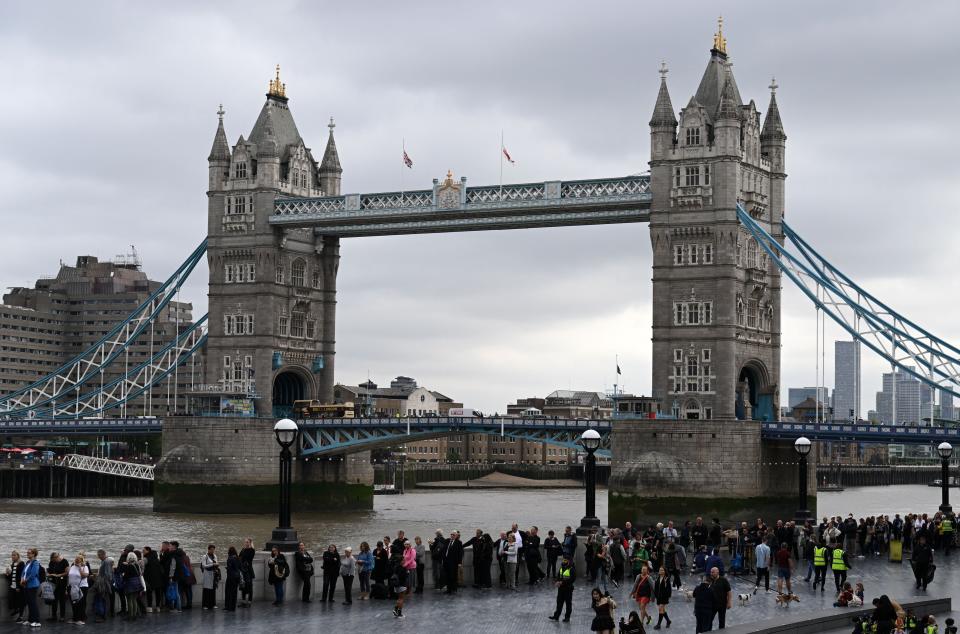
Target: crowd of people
column 652, row 562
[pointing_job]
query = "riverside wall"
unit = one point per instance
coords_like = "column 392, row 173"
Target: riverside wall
column 231, row 465
column 665, row 469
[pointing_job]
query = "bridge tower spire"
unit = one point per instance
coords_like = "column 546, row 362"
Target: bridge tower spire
column 716, row 298
column 330, row 169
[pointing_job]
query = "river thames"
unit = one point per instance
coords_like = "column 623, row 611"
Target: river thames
column 87, row 524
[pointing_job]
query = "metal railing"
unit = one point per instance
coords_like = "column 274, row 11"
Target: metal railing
column 108, row 467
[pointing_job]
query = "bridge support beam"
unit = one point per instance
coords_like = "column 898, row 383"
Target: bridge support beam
column 684, row 469
column 229, row 465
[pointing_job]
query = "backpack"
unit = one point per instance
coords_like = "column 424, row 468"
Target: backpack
column 47, row 591
column 378, row 591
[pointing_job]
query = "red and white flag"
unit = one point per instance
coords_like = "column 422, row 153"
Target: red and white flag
column 407, row 160
column 507, row 154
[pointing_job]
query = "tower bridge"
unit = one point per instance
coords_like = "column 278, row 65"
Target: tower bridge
column 714, row 201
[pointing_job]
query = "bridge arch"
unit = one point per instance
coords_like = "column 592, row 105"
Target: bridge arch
column 752, row 398
column 291, row 383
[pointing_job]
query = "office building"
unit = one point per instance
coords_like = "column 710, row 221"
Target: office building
column 846, row 380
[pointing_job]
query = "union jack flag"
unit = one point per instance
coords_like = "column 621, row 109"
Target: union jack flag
column 407, row 160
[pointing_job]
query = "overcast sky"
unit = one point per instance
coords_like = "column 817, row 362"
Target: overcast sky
column 110, row 112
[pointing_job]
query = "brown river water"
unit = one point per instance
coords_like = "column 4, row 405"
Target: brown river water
column 90, row 523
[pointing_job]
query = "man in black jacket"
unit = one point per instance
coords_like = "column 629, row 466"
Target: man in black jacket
column 437, row 549
column 699, row 534
column 531, row 554
column 476, row 542
column 566, row 577
column 452, row 559
column 921, row 559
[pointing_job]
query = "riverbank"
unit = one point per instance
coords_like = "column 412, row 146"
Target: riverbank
column 497, row 480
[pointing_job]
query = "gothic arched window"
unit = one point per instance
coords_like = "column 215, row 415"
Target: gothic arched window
column 298, row 273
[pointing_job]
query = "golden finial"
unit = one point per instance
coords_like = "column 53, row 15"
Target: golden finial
column 276, row 88
column 720, row 42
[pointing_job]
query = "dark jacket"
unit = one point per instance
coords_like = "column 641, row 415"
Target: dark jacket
column 454, row 553
column 569, row 545
column 246, row 563
column 153, row 571
column 304, row 564
column 233, row 568
column 703, row 598
column 331, row 563
column 662, row 589
column 531, row 548
column 279, row 569
column 552, row 547
column 438, row 548
column 720, row 589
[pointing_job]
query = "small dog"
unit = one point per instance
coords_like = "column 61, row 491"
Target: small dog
column 785, row 599
column 744, row 599
column 688, row 594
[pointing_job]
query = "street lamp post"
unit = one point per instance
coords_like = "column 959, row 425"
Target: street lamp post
column 945, row 450
column 590, row 441
column 802, row 447
column 284, row 536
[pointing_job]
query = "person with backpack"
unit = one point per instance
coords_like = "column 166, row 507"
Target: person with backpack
column 132, row 585
column 247, row 573
column 303, row 562
column 438, row 546
column 279, row 571
column 398, row 583
column 57, row 575
column 184, row 576
column 331, row 571
column 210, row 568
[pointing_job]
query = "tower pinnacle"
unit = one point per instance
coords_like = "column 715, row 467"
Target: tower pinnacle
column 221, row 149
column 719, row 42
column 276, row 87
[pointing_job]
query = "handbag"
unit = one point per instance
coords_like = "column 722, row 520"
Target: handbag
column 47, row 590
column 173, row 593
column 76, row 594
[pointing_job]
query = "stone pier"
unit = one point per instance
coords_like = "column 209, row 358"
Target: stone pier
column 665, row 469
column 231, row 465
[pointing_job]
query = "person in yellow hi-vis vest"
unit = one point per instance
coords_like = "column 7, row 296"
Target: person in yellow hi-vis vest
column 947, row 528
column 840, row 565
column 819, row 566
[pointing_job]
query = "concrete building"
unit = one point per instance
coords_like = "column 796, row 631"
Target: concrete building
column 851, row 453
column 947, row 411
column 809, row 411
column 796, row 395
column 846, row 380
column 43, row 327
column 909, row 399
column 566, row 404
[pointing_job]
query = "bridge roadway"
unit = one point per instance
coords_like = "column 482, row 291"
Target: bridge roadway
column 341, row 435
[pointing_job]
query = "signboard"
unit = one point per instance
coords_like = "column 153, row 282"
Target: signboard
column 237, row 406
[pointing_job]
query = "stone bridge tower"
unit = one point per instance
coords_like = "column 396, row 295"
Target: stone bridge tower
column 716, row 297
column 272, row 291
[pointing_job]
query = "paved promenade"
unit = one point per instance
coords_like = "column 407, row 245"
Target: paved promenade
column 499, row 610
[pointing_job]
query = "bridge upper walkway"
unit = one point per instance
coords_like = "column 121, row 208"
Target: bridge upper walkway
column 452, row 206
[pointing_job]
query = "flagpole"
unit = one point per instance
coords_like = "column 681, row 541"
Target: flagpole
column 501, row 163
column 403, row 143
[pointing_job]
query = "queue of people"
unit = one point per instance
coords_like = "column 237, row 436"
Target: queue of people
column 650, row 561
